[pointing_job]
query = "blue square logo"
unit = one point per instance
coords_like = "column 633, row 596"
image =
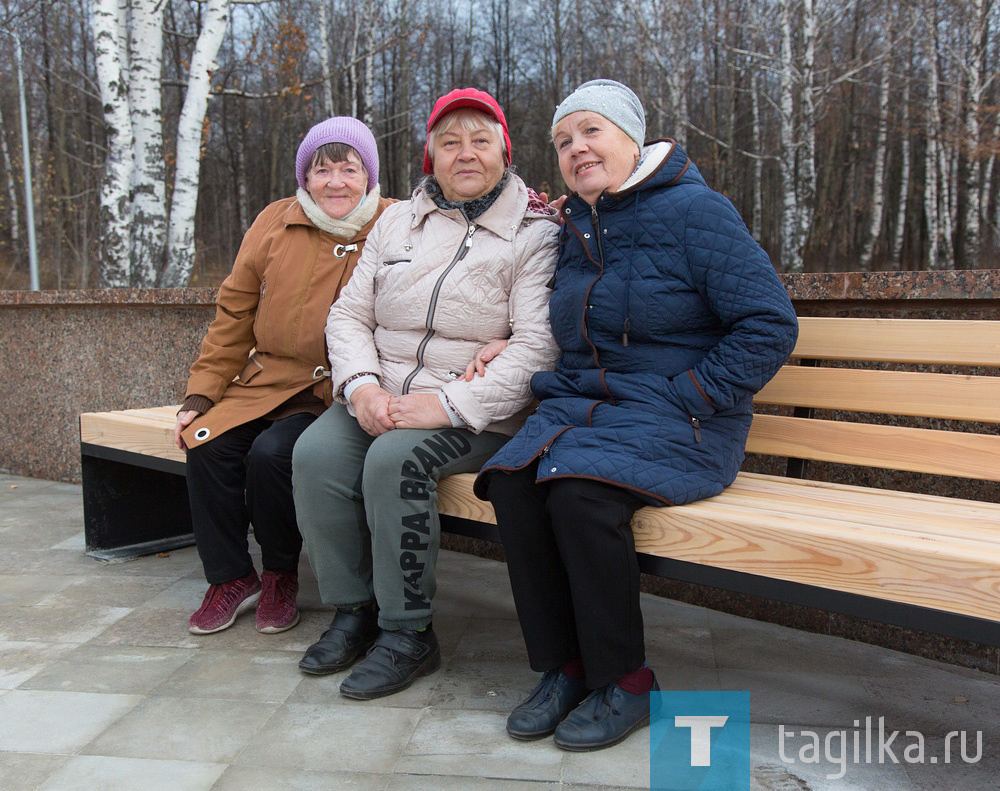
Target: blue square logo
column 700, row 741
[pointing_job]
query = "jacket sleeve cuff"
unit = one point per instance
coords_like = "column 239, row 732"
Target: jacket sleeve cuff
column 462, row 401
column 196, row 403
column 449, row 410
column 355, row 382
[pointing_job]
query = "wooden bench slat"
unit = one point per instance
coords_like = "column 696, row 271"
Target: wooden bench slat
column 919, row 515
column 954, row 577
column 925, row 517
column 455, row 498
column 900, row 340
column 149, row 432
column 951, row 396
column 891, row 447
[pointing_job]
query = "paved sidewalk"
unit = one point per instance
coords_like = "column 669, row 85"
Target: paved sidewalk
column 102, row 687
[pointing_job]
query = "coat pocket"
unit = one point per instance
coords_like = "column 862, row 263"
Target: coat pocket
column 386, row 269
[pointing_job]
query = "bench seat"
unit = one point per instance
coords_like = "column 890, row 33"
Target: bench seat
column 858, row 392
column 935, row 552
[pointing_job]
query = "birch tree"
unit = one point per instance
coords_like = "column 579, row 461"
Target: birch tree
column 904, row 180
column 878, row 174
column 978, row 82
column 792, row 240
column 932, row 181
column 12, row 210
column 148, row 187
column 181, row 240
column 115, row 214
column 326, row 73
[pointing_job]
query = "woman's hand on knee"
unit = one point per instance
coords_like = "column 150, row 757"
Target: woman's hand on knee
column 183, row 421
column 478, row 364
column 371, row 406
column 418, row 410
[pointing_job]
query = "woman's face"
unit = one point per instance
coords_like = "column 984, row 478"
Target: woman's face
column 337, row 187
column 468, row 163
column 594, row 154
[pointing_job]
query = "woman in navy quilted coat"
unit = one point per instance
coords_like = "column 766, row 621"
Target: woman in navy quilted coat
column 669, row 317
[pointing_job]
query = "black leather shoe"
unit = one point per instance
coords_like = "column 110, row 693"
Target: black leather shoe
column 555, row 696
column 605, row 718
column 396, row 660
column 351, row 633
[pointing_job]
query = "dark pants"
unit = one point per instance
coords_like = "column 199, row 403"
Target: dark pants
column 255, row 459
column 573, row 571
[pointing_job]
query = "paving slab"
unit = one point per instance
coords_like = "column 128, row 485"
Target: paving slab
column 93, row 772
column 21, row 661
column 287, row 778
column 254, row 676
column 183, row 729
column 464, row 742
column 123, row 670
column 57, row 722
column 20, row 771
column 351, row 738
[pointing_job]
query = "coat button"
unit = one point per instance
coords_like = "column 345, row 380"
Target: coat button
column 553, row 469
column 586, row 236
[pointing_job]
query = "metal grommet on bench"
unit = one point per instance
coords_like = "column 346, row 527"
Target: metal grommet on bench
column 202, row 433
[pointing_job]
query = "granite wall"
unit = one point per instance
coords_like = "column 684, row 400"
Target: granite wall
column 67, row 352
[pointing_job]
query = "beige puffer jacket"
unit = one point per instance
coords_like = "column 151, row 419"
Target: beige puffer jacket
column 431, row 290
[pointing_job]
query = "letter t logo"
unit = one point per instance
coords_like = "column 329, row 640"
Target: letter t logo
column 701, row 736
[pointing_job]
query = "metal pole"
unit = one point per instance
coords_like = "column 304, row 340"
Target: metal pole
column 29, row 198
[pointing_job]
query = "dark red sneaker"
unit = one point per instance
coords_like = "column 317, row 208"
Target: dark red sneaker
column 276, row 610
column 223, row 604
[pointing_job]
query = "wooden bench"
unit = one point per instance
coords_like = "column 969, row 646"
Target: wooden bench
column 915, row 396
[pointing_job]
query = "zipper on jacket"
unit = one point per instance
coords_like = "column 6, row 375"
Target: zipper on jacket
column 596, row 222
column 696, row 425
column 463, row 250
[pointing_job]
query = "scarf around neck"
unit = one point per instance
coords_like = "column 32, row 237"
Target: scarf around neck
column 347, row 227
column 470, row 208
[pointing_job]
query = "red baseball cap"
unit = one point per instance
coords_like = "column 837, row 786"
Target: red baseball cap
column 466, row 97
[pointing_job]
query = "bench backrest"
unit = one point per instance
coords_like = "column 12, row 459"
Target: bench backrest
column 879, row 366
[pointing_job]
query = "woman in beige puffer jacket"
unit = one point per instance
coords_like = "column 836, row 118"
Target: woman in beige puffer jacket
column 465, row 262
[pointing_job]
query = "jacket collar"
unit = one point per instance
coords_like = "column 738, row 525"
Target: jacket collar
column 663, row 164
column 502, row 218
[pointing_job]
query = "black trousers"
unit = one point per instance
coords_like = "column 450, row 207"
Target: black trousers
column 244, row 477
column 573, row 571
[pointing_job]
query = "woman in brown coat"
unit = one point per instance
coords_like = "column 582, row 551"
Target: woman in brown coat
column 262, row 377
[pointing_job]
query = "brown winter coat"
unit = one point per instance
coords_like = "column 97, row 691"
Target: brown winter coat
column 274, row 304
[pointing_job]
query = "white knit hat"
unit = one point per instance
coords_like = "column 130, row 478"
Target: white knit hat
column 616, row 102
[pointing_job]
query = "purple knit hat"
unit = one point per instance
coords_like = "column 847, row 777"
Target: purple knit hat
column 340, row 129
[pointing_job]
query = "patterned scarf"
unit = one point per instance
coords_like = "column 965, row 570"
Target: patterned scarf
column 470, row 208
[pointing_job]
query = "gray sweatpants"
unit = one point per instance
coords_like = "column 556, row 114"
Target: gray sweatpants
column 367, row 510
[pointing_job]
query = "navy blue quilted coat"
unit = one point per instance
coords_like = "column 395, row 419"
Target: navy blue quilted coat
column 669, row 317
